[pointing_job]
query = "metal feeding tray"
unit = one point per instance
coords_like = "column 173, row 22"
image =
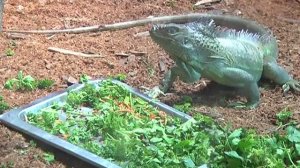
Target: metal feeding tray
column 16, row 119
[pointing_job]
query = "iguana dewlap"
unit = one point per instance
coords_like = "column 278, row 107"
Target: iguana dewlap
column 226, row 49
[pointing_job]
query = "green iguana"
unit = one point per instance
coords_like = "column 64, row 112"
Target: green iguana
column 226, row 49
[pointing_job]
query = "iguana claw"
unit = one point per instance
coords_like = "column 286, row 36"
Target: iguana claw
column 154, row 92
column 291, row 84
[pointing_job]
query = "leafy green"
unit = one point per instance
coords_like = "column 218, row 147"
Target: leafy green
column 9, row 52
column 3, row 105
column 44, row 83
column 293, row 134
column 185, row 105
column 21, row 82
column 124, row 128
column 48, row 157
column 27, row 83
column 112, row 123
column 120, row 77
column 9, row 164
column 284, row 116
column 84, row 78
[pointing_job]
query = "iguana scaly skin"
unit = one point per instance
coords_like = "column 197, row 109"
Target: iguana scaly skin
column 226, row 49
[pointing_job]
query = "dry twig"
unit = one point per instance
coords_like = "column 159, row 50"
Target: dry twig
column 16, row 36
column 138, row 53
column 69, row 52
column 122, row 54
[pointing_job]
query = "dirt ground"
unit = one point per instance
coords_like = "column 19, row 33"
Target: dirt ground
column 31, row 56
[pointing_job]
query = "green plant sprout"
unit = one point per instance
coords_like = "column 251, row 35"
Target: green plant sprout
column 9, row 52
column 27, row 83
column 3, row 105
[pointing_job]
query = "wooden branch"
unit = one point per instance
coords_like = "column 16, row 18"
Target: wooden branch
column 118, row 26
column 16, row 36
column 69, row 52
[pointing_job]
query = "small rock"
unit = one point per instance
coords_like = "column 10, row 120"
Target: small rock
column 162, row 66
column 70, row 80
column 48, row 66
column 20, row 9
column 237, row 12
column 133, row 73
column 21, row 145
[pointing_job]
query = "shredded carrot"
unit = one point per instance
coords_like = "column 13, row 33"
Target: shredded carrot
column 152, row 116
column 126, row 108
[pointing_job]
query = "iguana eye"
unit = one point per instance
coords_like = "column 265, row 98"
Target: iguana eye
column 172, row 30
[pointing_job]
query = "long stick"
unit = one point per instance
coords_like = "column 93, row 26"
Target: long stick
column 118, row 26
column 70, row 52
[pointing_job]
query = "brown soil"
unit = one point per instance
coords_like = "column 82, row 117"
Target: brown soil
column 33, row 58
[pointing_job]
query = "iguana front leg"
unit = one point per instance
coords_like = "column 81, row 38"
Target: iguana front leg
column 280, row 76
column 165, row 85
column 185, row 73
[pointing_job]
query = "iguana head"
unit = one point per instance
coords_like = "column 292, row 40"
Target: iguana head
column 191, row 42
column 175, row 39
